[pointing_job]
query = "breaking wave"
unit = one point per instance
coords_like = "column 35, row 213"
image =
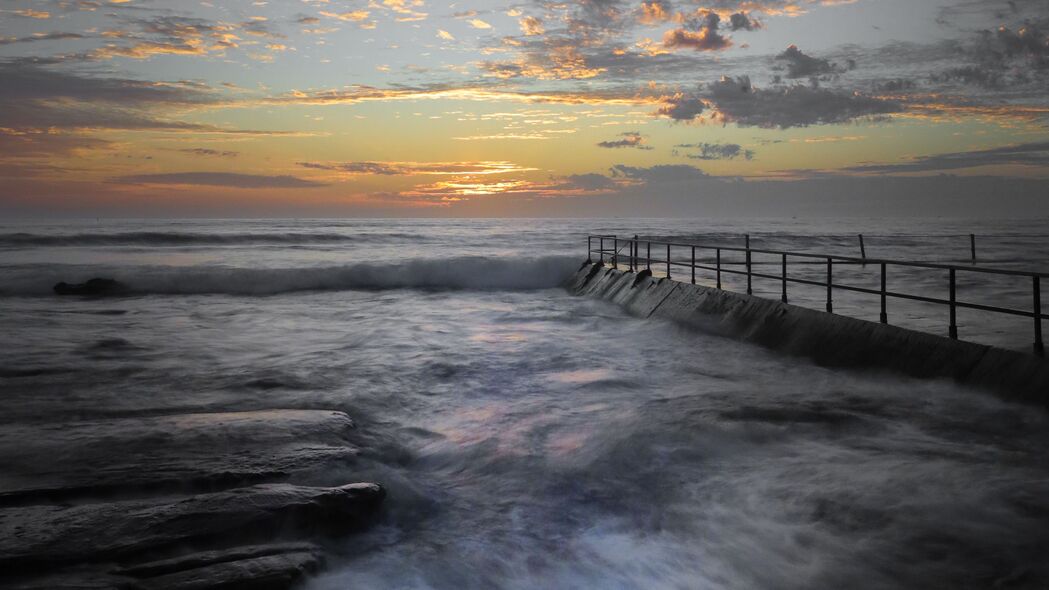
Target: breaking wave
column 460, row 273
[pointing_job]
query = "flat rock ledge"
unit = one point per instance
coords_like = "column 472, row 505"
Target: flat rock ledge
column 206, row 539
column 176, row 501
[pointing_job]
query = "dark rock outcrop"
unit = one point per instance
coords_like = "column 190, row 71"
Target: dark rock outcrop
column 96, row 287
column 266, row 567
column 257, row 566
column 34, row 538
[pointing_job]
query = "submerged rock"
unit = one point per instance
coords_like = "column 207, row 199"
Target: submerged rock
column 38, row 537
column 96, row 286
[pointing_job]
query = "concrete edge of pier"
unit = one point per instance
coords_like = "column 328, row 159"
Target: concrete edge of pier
column 827, row 339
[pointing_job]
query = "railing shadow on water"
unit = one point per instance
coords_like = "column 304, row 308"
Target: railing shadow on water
column 713, row 262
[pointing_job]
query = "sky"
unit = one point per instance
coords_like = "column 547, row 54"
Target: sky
column 528, row 108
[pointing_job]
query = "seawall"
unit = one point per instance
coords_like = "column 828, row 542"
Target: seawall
column 828, row 339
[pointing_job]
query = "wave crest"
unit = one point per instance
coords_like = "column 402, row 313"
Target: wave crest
column 461, row 273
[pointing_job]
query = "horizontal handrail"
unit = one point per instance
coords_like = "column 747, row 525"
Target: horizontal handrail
column 634, row 259
column 837, row 258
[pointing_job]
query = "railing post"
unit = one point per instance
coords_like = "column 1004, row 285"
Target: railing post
column 648, row 256
column 830, row 285
column 615, row 253
column 636, row 252
column 972, row 246
column 1039, row 347
column 953, row 330
column 668, row 261
column 590, row 249
column 884, row 311
column 693, row 265
column 719, row 267
column 863, row 250
column 750, row 289
column 602, row 252
column 784, row 297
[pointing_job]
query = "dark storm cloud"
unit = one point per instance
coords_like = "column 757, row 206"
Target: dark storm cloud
column 716, row 151
column 631, row 139
column 738, row 101
column 800, row 65
column 225, row 179
column 1027, row 154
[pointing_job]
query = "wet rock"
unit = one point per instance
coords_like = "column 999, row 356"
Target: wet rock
column 272, row 566
column 186, row 452
column 68, row 579
column 257, row 566
column 191, row 561
column 96, row 286
column 38, row 537
column 269, row 572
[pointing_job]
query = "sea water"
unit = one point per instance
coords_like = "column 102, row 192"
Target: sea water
column 532, row 439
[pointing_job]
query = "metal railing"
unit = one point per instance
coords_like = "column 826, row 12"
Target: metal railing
column 634, row 259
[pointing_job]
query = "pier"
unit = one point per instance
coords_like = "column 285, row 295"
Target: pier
column 668, row 256
column 658, row 278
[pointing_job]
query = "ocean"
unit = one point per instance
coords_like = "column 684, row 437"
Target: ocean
column 531, row 439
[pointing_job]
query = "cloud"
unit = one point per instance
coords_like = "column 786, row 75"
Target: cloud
column 479, row 24
column 531, row 26
column 32, row 97
column 225, row 179
column 800, row 65
column 362, row 94
column 53, row 36
column 207, row 152
column 717, row 151
column 631, row 139
column 445, row 35
column 417, row 168
column 681, row 107
column 662, row 174
column 21, row 144
column 655, row 11
column 351, row 16
column 704, row 38
column 560, row 61
column 1034, row 154
column 30, row 13
column 737, row 101
column 741, row 21
column 1003, row 59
